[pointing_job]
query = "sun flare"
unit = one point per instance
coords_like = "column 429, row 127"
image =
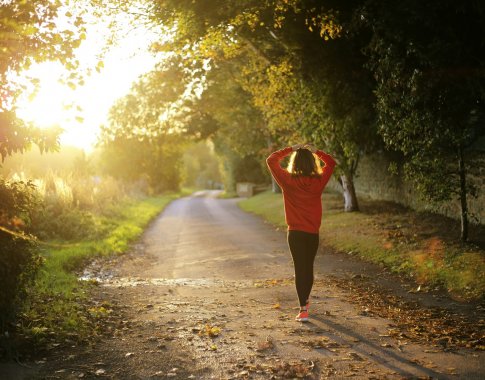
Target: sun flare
column 82, row 110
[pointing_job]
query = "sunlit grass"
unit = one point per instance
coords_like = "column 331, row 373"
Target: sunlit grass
column 268, row 205
column 431, row 261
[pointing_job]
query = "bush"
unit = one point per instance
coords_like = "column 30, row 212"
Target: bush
column 64, row 224
column 19, row 261
column 19, row 257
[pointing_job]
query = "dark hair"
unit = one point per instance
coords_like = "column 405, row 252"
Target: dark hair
column 303, row 163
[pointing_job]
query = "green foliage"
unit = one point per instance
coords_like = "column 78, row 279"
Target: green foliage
column 430, row 93
column 233, row 124
column 61, row 206
column 19, row 263
column 157, row 160
column 16, row 200
column 30, row 33
column 236, row 168
column 268, row 205
column 17, row 137
column 225, row 113
column 201, row 166
column 64, row 223
column 143, row 140
column 428, row 61
column 67, row 205
column 266, row 58
column 148, row 110
column 19, row 257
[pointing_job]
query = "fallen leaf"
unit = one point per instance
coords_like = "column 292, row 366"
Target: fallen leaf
column 100, row 372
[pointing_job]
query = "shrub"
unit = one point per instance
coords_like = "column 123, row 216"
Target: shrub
column 19, row 261
column 64, row 224
column 19, row 257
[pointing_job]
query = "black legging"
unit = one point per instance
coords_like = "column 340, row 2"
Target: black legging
column 303, row 248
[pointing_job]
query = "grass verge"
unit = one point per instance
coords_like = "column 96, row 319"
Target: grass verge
column 58, row 308
column 423, row 246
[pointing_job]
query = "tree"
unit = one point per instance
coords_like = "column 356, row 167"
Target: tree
column 322, row 91
column 30, row 32
column 156, row 161
column 201, row 166
column 428, row 60
column 319, row 86
column 279, row 47
column 143, row 139
column 225, row 114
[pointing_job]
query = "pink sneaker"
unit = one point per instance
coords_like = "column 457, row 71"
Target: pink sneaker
column 302, row 316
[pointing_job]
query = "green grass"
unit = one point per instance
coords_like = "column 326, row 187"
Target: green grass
column 400, row 239
column 57, row 305
column 268, row 205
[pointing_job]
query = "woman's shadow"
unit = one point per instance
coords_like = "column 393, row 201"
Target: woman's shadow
column 373, row 352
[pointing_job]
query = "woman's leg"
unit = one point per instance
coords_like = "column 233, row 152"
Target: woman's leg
column 303, row 247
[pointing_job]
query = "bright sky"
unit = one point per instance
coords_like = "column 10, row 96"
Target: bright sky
column 122, row 65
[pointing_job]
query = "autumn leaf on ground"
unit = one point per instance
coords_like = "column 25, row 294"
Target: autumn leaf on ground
column 210, row 331
column 267, row 344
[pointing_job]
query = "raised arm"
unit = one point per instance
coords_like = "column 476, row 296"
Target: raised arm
column 329, row 166
column 273, row 161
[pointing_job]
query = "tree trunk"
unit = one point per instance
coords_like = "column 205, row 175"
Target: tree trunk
column 463, row 200
column 350, row 198
column 274, row 186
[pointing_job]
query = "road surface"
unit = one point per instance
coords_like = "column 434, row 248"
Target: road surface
column 208, row 294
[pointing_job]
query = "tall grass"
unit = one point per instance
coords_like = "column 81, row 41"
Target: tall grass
column 69, row 206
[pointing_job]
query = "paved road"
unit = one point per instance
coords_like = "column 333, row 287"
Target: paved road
column 201, row 238
column 205, row 237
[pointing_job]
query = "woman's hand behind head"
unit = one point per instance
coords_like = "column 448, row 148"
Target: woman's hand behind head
column 310, row 147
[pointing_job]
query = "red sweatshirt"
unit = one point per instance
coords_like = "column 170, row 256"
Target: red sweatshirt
column 302, row 195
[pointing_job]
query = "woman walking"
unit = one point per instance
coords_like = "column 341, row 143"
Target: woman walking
column 302, row 185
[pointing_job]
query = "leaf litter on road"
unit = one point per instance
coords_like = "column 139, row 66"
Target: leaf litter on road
column 411, row 321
